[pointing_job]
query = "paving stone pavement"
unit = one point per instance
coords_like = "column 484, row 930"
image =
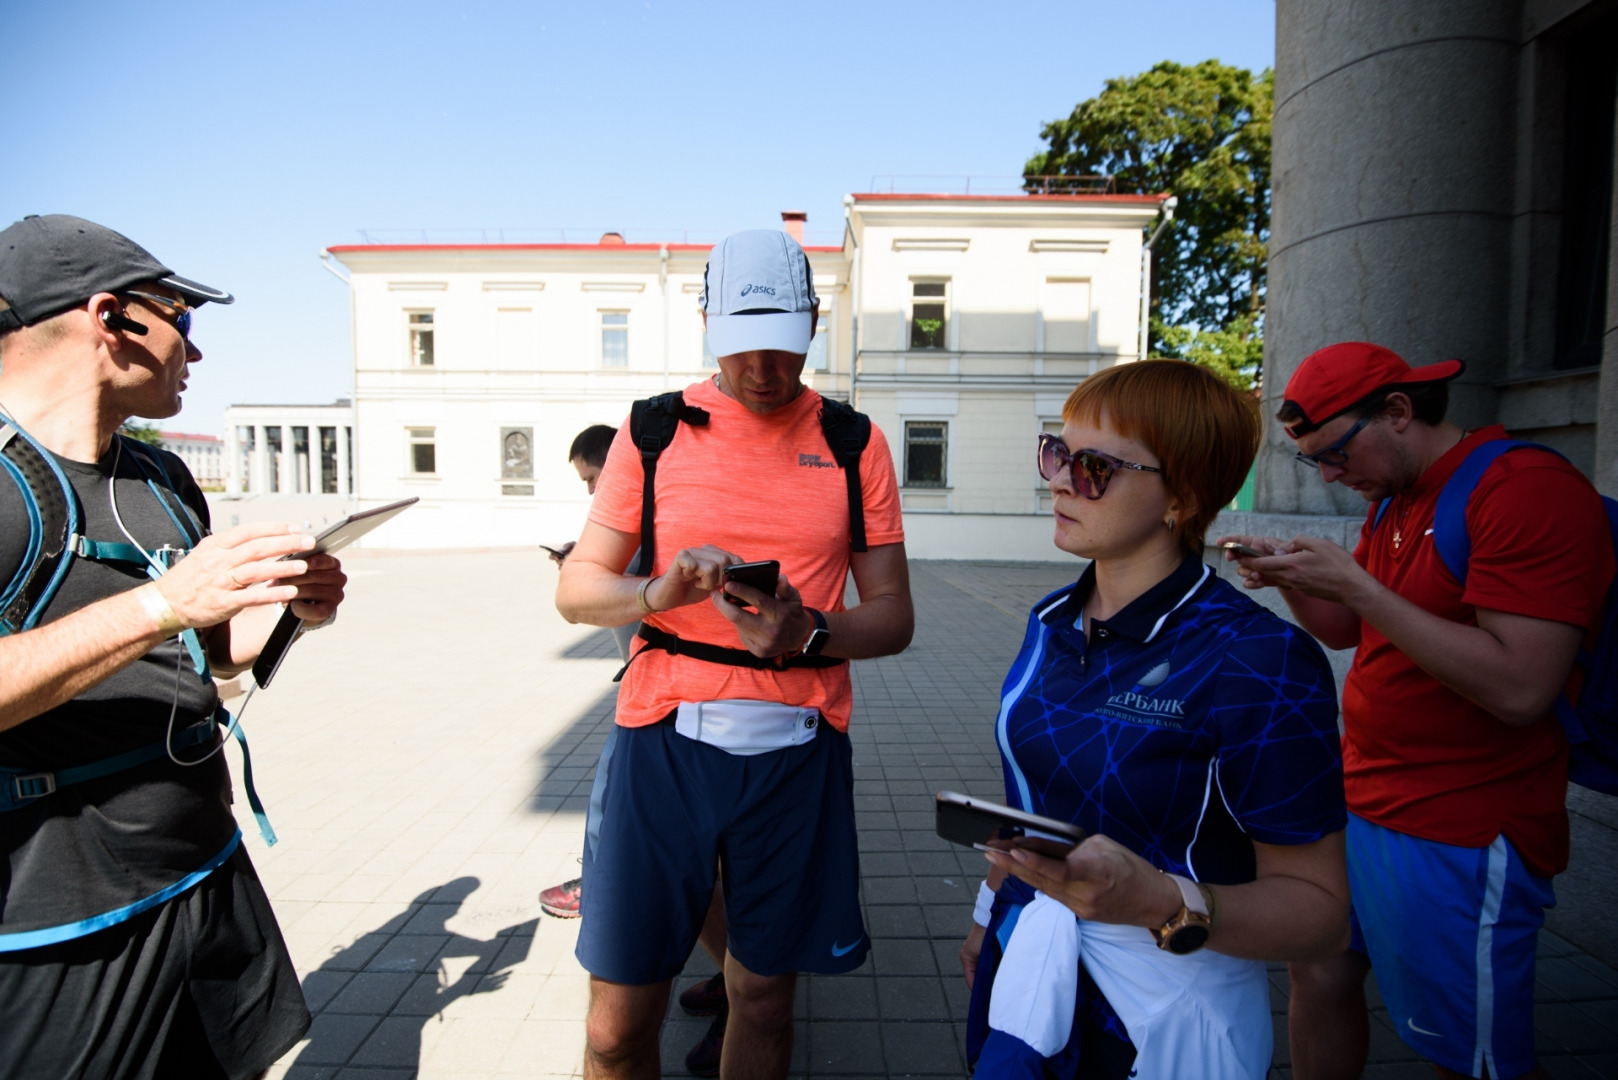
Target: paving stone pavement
column 427, row 762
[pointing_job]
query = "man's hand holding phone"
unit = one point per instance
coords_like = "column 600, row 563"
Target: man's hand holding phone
column 774, row 622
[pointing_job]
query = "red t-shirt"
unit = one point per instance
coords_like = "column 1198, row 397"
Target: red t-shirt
column 1417, row 757
column 760, row 487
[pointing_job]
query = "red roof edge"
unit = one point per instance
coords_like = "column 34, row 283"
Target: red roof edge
column 341, row 249
column 886, row 196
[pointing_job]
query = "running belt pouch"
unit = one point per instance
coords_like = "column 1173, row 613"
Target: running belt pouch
column 745, row 728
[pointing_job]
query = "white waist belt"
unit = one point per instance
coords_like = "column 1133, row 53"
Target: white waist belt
column 745, row 727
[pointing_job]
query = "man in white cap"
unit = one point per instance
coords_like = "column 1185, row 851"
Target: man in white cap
column 135, row 938
column 733, row 744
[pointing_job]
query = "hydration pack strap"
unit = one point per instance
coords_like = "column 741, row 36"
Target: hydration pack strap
column 675, row 645
column 19, row 788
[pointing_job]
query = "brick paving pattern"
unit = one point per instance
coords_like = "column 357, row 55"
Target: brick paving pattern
column 427, row 763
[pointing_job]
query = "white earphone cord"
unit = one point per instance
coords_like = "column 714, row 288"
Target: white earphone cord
column 179, row 660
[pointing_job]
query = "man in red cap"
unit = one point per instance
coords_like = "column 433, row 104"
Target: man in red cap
column 1455, row 768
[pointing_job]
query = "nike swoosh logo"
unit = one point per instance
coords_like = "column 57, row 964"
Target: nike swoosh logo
column 844, row 950
column 1422, row 1031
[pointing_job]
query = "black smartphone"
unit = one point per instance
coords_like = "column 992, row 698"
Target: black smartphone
column 988, row 826
column 762, row 576
column 554, row 552
column 335, row 538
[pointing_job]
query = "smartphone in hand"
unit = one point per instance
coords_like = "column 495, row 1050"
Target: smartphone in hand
column 987, row 826
column 763, row 576
column 1243, row 550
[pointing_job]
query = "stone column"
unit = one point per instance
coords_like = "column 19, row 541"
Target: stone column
column 1606, row 470
column 1392, row 217
column 343, row 464
column 260, row 469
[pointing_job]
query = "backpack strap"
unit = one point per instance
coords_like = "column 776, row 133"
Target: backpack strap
column 151, row 467
column 53, row 519
column 1381, row 511
column 847, row 434
column 653, row 423
column 1450, row 534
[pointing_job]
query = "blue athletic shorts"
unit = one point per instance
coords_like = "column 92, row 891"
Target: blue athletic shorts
column 1451, row 933
column 781, row 827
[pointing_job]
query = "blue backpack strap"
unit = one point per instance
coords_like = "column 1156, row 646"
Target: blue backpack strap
column 147, row 460
column 53, row 519
column 1381, row 509
column 1450, row 534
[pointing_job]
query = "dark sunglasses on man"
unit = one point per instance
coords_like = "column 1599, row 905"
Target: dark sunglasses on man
column 182, row 313
column 1090, row 469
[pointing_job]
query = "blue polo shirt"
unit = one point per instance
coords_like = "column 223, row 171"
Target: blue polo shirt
column 1187, row 726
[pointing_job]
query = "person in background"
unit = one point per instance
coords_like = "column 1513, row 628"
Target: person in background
column 1190, row 732
column 135, row 937
column 1455, row 767
column 587, row 455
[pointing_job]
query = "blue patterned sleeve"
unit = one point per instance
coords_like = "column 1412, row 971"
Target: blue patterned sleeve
column 1280, row 756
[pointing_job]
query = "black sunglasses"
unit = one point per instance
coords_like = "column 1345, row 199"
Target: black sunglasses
column 1090, row 469
column 1334, row 455
column 182, row 313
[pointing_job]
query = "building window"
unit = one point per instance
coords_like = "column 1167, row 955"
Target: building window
column 348, row 455
column 925, row 442
column 615, row 339
column 328, row 461
column 929, row 314
column 423, row 450
column 1587, row 180
column 817, row 345
column 420, row 325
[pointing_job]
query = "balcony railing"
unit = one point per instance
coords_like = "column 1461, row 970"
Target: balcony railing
column 931, row 184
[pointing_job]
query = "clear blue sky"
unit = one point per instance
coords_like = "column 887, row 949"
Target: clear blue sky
column 236, row 140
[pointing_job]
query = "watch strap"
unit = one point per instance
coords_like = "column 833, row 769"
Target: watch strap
column 818, row 636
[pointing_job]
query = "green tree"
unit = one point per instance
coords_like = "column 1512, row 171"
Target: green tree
column 1202, row 133
column 146, row 433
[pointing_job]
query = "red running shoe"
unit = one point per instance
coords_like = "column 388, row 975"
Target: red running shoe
column 705, row 998
column 562, row 900
column 703, row 1060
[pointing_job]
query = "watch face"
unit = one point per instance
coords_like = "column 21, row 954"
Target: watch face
column 1188, row 939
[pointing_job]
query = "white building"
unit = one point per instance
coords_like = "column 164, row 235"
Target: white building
column 202, row 454
column 959, row 323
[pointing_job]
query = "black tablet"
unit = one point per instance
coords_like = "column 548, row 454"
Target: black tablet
column 333, row 538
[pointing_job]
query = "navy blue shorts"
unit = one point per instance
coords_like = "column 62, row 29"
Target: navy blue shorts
column 779, row 824
column 1451, row 933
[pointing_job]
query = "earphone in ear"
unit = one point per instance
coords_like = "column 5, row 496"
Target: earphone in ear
column 117, row 320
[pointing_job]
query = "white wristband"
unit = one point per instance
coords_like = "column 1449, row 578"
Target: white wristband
column 980, row 912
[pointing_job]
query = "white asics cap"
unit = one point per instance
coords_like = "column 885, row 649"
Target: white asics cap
column 759, row 294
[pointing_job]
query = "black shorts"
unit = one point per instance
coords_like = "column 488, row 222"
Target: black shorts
column 198, row 987
column 782, row 825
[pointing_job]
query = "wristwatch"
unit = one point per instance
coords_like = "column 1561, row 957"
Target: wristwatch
column 818, row 636
column 1188, row 930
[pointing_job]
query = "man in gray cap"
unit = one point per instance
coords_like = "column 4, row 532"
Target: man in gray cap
column 135, row 938
column 732, row 744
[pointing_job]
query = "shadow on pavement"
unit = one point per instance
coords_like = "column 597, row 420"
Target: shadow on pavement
column 374, row 999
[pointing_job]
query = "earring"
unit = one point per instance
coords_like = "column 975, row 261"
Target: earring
column 1169, row 521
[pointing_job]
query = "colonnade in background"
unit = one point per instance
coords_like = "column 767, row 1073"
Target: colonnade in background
column 290, row 458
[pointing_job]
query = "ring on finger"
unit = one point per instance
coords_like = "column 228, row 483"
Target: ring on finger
column 233, row 579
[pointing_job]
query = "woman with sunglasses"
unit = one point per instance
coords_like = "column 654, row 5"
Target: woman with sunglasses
column 1189, row 732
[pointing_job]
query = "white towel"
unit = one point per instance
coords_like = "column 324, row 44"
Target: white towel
column 1205, row 1014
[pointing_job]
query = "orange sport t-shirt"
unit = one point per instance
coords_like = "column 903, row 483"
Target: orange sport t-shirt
column 760, row 487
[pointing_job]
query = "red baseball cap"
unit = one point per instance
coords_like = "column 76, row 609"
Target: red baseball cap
column 1340, row 376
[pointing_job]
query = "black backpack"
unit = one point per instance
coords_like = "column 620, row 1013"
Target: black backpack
column 654, row 421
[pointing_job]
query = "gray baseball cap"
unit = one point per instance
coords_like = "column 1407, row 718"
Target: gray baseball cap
column 758, row 292
column 50, row 263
